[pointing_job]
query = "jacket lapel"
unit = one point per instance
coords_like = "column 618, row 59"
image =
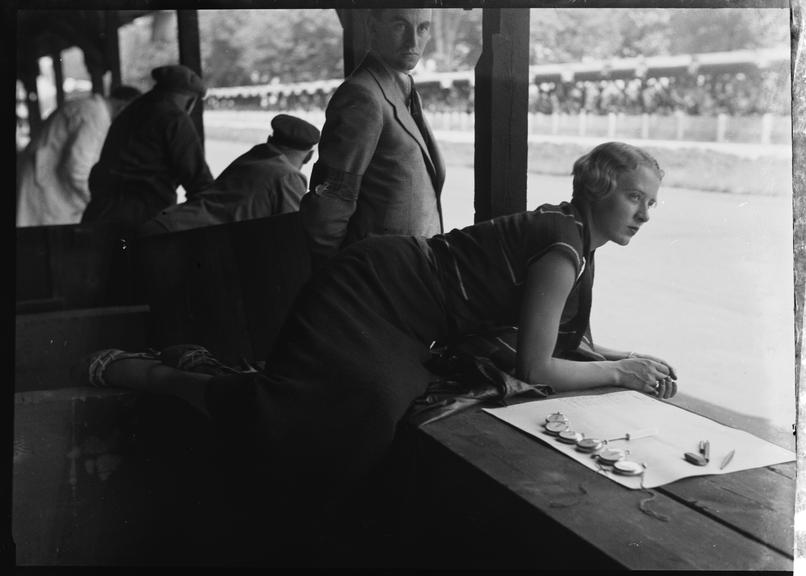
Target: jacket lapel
column 392, row 93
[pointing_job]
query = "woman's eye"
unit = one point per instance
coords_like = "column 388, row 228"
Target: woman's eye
column 423, row 29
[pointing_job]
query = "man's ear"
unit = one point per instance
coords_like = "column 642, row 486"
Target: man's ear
column 308, row 157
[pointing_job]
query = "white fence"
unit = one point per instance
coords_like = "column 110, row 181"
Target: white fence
column 767, row 129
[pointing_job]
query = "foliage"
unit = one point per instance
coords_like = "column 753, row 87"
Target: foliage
column 241, row 47
column 573, row 35
column 145, row 44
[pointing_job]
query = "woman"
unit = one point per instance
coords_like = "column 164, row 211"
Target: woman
column 349, row 362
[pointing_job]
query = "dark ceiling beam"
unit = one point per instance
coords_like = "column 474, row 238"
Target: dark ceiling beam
column 356, row 42
column 112, row 45
column 187, row 22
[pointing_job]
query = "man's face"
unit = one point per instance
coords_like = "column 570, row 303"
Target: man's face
column 400, row 36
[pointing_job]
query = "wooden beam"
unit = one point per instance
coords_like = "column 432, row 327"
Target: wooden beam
column 58, row 76
column 187, row 22
column 356, row 42
column 112, row 46
column 501, row 106
column 29, row 73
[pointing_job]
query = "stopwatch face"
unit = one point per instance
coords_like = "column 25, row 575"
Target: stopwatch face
column 628, row 468
column 556, row 417
column 611, row 455
column 589, row 444
column 569, row 436
column 556, row 427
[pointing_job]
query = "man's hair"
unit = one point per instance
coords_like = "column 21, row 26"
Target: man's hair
column 596, row 173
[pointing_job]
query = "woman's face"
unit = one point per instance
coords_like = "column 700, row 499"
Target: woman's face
column 618, row 216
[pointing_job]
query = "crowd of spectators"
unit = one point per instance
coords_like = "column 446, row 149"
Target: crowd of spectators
column 734, row 94
column 739, row 94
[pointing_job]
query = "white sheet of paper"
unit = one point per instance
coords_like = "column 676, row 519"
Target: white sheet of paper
column 611, row 415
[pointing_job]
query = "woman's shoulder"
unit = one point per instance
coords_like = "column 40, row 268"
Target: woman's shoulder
column 564, row 210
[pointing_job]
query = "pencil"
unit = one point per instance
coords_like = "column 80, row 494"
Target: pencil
column 726, row 460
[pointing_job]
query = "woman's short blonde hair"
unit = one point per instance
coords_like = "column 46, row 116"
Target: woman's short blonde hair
column 596, row 173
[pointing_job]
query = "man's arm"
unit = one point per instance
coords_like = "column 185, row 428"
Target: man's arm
column 349, row 139
column 187, row 156
column 288, row 193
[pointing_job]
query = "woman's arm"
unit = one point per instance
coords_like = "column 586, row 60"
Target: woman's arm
column 548, row 284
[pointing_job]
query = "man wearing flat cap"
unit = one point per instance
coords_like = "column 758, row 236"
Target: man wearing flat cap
column 151, row 148
column 265, row 181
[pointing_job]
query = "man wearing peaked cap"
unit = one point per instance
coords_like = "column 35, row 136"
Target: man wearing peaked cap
column 178, row 78
column 152, row 147
column 293, row 132
column 264, row 181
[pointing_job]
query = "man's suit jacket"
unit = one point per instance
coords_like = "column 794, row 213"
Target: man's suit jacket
column 259, row 183
column 377, row 173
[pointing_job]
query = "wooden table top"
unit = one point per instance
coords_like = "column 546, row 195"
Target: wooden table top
column 739, row 521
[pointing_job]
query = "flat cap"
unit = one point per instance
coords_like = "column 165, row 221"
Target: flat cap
column 293, row 132
column 178, row 78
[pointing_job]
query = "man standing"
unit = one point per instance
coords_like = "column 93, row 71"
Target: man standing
column 152, row 147
column 379, row 169
column 264, row 181
column 52, row 180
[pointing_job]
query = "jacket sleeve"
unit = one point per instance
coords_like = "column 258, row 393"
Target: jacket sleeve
column 83, row 150
column 290, row 189
column 186, row 156
column 353, row 125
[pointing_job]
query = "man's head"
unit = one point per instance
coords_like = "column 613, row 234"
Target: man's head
column 295, row 136
column 180, row 82
column 399, row 35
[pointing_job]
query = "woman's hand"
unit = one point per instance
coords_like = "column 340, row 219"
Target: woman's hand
column 672, row 372
column 648, row 375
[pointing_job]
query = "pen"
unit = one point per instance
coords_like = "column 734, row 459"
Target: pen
column 726, row 460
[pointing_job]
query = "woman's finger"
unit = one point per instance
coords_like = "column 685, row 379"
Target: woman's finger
column 672, row 389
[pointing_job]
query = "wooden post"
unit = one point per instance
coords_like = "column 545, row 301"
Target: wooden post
column 187, row 23
column 611, row 125
column 30, row 72
column 356, row 41
column 766, row 128
column 721, row 127
column 502, row 106
column 112, row 46
column 583, row 122
column 680, row 124
column 58, row 77
column 645, row 126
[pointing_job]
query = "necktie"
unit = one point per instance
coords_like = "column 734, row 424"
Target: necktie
column 417, row 113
